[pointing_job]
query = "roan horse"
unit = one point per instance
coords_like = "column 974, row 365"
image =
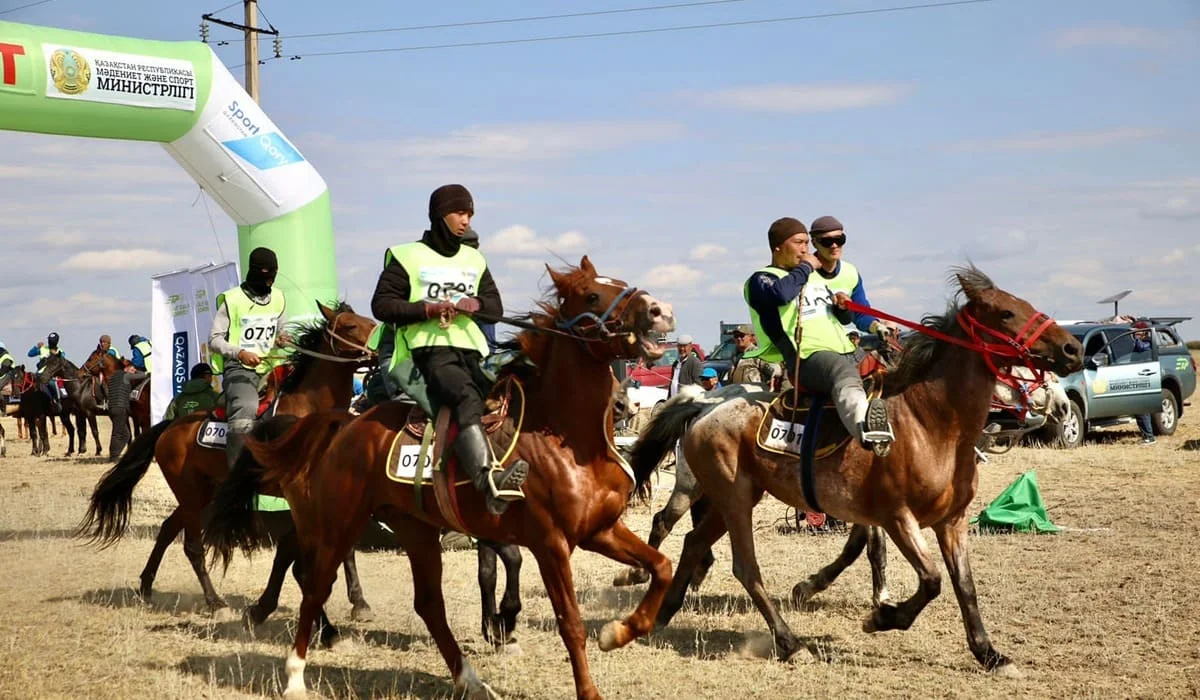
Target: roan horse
column 322, row 377
column 938, row 399
column 332, row 469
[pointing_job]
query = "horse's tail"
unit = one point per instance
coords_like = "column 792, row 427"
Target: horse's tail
column 663, row 431
column 107, row 516
column 233, row 522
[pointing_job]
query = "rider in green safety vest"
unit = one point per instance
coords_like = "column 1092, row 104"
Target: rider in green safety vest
column 428, row 291
column 249, row 322
column 825, row 355
column 140, row 353
column 43, row 351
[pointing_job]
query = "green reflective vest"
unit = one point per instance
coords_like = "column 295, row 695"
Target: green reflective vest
column 6, row 357
column 768, row 352
column 251, row 325
column 144, row 347
column 822, row 329
column 435, row 278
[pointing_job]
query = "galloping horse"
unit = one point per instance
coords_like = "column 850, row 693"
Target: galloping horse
column 332, row 468
column 79, row 403
column 318, row 381
column 938, row 399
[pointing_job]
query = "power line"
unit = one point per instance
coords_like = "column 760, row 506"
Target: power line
column 24, row 7
column 509, row 20
column 655, row 30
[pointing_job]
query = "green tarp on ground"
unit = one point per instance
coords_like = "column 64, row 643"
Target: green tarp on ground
column 1019, row 508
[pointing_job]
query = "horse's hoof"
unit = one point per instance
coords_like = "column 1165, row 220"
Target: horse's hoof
column 467, row 685
column 254, row 616
column 1009, row 670
column 295, row 694
column 803, row 592
column 614, row 635
column 362, row 613
column 631, row 577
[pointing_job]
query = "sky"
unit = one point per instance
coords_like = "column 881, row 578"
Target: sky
column 1054, row 144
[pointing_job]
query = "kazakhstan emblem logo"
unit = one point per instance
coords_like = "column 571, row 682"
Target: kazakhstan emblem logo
column 69, row 71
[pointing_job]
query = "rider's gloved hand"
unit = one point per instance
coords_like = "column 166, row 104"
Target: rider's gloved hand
column 467, row 305
column 435, row 309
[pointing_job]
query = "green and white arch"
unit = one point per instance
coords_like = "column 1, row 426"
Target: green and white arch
column 179, row 94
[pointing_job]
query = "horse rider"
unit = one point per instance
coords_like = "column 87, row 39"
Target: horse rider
column 44, row 351
column 139, row 353
column 105, row 345
column 825, row 355
column 197, row 393
column 7, row 361
column 428, row 291
column 249, row 322
column 743, row 369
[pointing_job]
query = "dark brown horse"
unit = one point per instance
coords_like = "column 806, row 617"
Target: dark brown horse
column 332, row 470
column 79, row 403
column 938, row 399
column 322, row 377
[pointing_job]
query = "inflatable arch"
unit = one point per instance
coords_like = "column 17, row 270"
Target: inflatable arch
column 179, row 94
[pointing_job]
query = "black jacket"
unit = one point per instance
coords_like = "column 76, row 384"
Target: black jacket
column 390, row 302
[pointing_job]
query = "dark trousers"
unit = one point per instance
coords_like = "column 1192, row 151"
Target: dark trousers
column 454, row 380
column 118, row 411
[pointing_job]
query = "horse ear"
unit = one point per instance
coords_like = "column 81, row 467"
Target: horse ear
column 326, row 312
column 971, row 291
column 586, row 265
column 626, row 382
column 556, row 278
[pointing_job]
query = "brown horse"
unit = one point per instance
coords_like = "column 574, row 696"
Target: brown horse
column 332, row 469
column 79, row 403
column 938, row 399
column 322, row 377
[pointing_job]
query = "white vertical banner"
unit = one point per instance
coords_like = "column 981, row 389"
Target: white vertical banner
column 172, row 332
column 184, row 303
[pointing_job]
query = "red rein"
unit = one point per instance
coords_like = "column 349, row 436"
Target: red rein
column 1011, row 348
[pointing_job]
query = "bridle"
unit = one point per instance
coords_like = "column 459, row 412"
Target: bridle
column 366, row 356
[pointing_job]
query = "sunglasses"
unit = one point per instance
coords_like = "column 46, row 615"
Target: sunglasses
column 828, row 241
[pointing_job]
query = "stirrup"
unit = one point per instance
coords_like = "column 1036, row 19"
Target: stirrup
column 511, row 479
column 876, row 430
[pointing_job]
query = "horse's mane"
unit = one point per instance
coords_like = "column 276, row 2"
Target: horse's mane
column 921, row 352
column 308, row 336
column 532, row 344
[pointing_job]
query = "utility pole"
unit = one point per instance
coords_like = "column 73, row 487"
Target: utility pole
column 251, row 32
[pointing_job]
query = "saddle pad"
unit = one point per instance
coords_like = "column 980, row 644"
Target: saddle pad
column 212, row 434
column 403, row 457
column 783, row 437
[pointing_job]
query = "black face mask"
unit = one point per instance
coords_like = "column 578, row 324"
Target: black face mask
column 260, row 272
column 441, row 239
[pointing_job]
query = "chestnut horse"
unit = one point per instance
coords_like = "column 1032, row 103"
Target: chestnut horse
column 332, row 469
column 938, row 400
column 322, row 377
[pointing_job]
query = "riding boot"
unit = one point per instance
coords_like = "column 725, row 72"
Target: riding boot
column 234, row 443
column 866, row 419
column 499, row 486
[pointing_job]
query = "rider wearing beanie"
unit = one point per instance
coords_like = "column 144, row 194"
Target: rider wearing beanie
column 248, row 324
column 428, row 291
column 825, row 356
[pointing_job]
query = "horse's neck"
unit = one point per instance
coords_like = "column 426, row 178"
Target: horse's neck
column 957, row 391
column 572, row 393
column 325, row 385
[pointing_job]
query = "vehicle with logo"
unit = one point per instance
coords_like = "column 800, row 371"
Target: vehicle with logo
column 1117, row 383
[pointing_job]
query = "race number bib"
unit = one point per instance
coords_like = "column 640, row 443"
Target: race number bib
column 212, row 434
column 784, row 436
column 817, row 299
column 447, row 283
column 406, row 467
column 258, row 334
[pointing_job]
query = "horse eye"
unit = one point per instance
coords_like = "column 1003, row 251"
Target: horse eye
column 593, row 298
column 1008, row 315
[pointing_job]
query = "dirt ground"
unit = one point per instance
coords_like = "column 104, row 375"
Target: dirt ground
column 1104, row 609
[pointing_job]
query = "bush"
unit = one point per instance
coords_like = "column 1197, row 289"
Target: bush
column 1193, row 345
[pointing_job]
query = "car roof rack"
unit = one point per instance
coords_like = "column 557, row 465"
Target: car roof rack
column 1166, row 320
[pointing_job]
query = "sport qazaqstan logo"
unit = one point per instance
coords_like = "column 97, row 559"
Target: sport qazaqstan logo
column 70, row 72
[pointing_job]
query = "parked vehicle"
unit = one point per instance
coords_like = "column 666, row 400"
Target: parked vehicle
column 659, row 373
column 1117, row 384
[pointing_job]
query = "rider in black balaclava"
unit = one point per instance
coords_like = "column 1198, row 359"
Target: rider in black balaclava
column 444, row 200
column 260, row 272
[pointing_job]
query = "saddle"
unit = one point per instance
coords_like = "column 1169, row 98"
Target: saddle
column 213, row 429
column 419, row 454
column 789, row 416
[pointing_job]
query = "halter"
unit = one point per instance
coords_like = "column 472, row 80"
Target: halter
column 1016, row 347
column 368, row 355
column 606, row 325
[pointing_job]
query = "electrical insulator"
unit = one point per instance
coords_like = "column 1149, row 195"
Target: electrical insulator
column 204, row 32
column 278, row 46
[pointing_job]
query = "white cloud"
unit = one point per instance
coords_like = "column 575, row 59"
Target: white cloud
column 525, row 264
column 538, row 140
column 1113, row 35
column 1181, row 207
column 708, row 251
column 1174, row 256
column 124, row 259
column 878, row 294
column 801, row 98
column 726, row 290
column 1060, row 141
column 97, row 310
column 672, row 276
column 519, row 239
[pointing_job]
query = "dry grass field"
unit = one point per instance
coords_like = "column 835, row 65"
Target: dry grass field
column 1106, row 609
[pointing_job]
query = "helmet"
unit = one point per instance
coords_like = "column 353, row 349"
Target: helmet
column 133, row 339
column 199, row 370
column 52, row 340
